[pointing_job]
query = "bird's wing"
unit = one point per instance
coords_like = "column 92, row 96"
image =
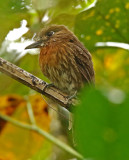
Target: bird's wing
column 84, row 62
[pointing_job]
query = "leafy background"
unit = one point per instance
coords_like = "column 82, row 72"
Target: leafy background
column 102, row 129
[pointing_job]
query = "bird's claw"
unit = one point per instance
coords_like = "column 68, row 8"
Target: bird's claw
column 47, row 86
column 72, row 96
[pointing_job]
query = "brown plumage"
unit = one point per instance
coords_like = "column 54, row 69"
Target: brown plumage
column 64, row 59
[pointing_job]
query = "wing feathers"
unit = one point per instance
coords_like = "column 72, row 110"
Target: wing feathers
column 84, row 63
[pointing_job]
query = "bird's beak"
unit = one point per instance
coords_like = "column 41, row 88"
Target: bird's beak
column 37, row 44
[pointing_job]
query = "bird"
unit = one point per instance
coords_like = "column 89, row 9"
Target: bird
column 63, row 59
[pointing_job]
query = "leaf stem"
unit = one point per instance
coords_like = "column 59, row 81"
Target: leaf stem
column 30, row 111
column 48, row 136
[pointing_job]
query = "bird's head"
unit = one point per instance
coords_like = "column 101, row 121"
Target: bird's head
column 51, row 34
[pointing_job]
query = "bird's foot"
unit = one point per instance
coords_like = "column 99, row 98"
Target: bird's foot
column 73, row 100
column 74, row 96
column 47, row 86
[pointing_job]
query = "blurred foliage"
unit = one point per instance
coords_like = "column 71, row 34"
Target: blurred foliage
column 102, row 124
column 11, row 13
column 102, row 127
column 56, row 7
column 18, row 143
column 111, row 66
column 107, row 21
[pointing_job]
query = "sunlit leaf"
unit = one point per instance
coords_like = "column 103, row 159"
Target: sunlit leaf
column 8, row 105
column 18, row 143
column 107, row 21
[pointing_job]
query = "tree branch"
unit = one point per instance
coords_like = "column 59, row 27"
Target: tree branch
column 33, row 82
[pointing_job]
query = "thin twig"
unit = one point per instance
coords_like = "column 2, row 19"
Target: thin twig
column 33, row 82
column 48, row 136
column 30, row 112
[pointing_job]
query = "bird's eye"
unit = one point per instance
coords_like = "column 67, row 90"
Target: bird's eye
column 49, row 34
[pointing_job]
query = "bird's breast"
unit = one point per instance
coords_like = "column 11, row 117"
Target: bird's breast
column 47, row 57
column 59, row 66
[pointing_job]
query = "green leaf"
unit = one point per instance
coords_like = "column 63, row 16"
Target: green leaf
column 102, row 125
column 107, row 21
